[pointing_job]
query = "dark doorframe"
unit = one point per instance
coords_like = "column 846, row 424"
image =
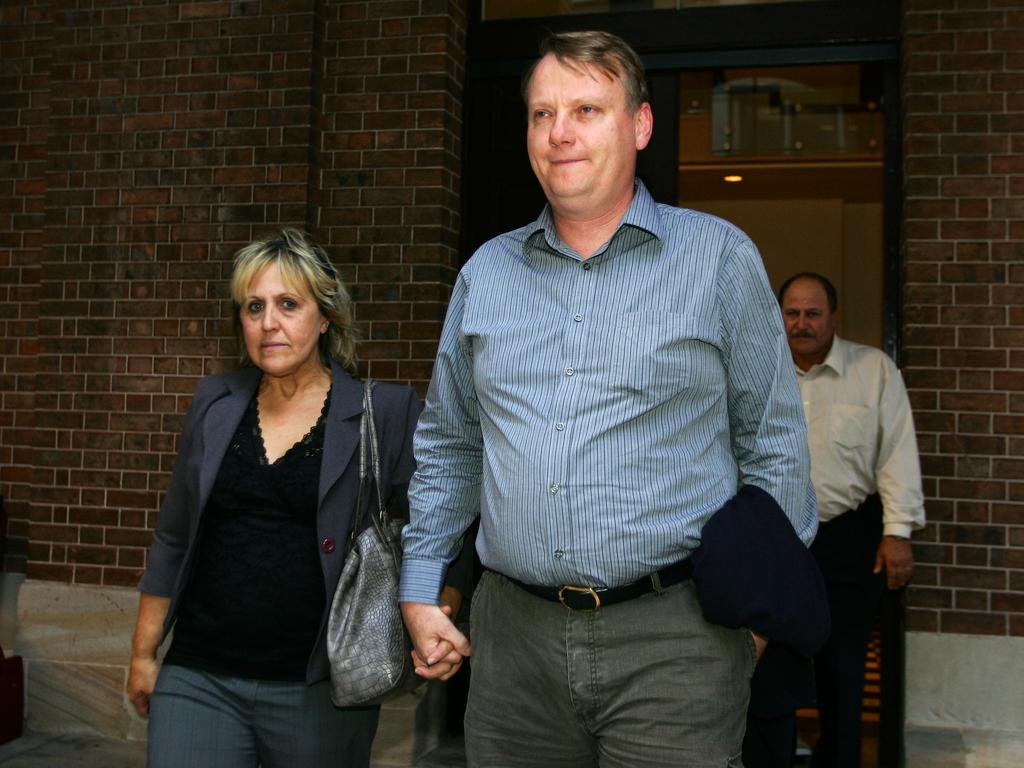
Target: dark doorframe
column 500, row 192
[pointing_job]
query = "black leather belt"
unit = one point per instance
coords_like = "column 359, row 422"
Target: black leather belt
column 591, row 598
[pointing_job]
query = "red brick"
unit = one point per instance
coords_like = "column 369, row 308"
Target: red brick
column 50, row 571
column 974, row 145
column 970, row 62
column 970, row 600
column 922, row 620
column 920, row 597
column 973, row 623
column 972, row 102
column 972, row 41
column 1008, row 337
column 121, row 577
column 970, row 20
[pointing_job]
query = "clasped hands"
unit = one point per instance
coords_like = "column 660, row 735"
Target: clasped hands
column 439, row 648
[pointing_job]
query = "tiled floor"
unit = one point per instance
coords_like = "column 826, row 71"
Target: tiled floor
column 450, row 755
column 71, row 751
column 89, row 751
column 925, row 748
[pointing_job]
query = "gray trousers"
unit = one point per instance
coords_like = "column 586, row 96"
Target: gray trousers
column 201, row 720
column 647, row 683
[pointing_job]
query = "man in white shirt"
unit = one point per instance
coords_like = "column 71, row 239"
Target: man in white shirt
column 865, row 471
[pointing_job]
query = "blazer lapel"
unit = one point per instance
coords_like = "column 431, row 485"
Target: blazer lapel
column 341, row 436
column 220, row 423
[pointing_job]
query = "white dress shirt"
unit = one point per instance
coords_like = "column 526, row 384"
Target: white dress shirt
column 861, row 435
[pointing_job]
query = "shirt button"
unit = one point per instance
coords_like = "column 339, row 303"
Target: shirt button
column 554, row 488
column 586, row 266
column 578, row 318
column 327, row 545
column 559, row 426
column 570, row 371
column 559, row 554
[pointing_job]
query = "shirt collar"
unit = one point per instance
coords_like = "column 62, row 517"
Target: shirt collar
column 835, row 359
column 642, row 214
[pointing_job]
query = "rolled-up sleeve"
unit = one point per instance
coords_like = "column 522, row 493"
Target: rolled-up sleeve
column 898, row 469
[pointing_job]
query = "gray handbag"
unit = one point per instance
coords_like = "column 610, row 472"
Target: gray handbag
column 367, row 643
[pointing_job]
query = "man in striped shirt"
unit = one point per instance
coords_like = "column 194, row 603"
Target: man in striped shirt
column 609, row 377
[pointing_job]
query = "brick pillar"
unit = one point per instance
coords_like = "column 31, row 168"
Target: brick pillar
column 964, row 228
column 177, row 132
column 389, row 164
column 964, row 311
column 25, row 42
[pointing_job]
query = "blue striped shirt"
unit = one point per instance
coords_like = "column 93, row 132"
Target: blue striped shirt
column 597, row 412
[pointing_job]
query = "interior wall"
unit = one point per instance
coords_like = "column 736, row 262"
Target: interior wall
column 843, row 241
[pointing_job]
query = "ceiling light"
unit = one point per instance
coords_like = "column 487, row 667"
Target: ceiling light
column 733, row 178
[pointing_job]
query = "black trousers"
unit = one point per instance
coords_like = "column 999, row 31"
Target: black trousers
column 769, row 741
column 782, row 683
column 845, row 549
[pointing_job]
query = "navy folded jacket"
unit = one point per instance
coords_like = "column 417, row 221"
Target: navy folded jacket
column 751, row 570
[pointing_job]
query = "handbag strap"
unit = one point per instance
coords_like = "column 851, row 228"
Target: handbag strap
column 368, row 440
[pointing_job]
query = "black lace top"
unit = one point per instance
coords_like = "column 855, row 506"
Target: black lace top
column 255, row 598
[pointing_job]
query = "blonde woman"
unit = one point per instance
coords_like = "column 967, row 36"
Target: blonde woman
column 251, row 535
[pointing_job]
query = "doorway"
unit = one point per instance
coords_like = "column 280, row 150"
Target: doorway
column 793, row 156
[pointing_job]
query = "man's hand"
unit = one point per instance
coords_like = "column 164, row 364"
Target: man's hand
column 761, row 642
column 438, row 647
column 896, row 556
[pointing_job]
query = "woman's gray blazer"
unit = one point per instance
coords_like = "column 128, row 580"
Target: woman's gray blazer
column 217, row 408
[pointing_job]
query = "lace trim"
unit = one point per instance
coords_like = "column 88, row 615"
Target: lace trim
column 305, row 441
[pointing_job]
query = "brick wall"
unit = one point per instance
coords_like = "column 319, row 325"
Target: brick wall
column 389, row 159
column 175, row 133
column 964, row 308
column 25, row 38
column 141, row 144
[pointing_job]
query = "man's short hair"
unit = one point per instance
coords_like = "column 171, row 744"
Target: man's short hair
column 824, row 282
column 609, row 53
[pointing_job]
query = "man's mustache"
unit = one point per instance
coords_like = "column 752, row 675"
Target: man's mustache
column 802, row 335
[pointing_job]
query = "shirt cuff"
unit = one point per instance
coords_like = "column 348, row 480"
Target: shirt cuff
column 900, row 530
column 421, row 581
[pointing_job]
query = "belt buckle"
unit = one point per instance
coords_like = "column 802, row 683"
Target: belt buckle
column 582, row 590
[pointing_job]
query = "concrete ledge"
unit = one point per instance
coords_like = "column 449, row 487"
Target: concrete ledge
column 10, row 585
column 76, row 642
column 962, row 748
column 965, row 681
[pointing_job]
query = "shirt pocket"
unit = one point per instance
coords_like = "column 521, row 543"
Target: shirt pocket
column 851, row 427
column 661, row 353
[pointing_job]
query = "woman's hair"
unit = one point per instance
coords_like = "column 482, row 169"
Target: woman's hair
column 304, row 266
column 608, row 53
